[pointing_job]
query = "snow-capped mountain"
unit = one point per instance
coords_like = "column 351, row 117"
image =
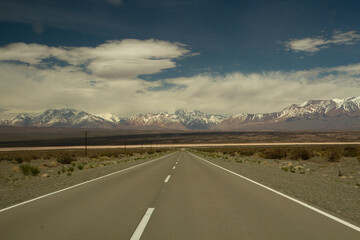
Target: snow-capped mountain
column 65, row 117
column 109, row 117
column 317, row 108
column 198, row 120
column 182, row 119
column 156, row 120
column 335, row 114
column 23, row 119
column 313, row 114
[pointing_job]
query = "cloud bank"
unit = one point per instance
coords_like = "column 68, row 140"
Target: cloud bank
column 113, row 59
column 105, row 79
column 315, row 44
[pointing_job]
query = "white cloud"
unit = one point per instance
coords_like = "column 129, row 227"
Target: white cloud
column 306, row 44
column 314, row 44
column 25, row 88
column 114, row 59
column 29, row 88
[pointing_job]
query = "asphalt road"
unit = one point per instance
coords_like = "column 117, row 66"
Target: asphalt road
column 176, row 197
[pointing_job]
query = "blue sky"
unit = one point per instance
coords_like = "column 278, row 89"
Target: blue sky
column 135, row 56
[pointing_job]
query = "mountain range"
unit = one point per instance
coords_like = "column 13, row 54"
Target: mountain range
column 335, row 114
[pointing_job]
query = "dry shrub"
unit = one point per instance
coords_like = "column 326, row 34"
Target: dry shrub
column 333, row 156
column 274, row 153
column 66, row 159
column 300, row 153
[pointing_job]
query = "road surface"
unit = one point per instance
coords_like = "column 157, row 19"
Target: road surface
column 176, row 197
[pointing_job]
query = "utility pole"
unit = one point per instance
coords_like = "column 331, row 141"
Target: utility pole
column 85, row 143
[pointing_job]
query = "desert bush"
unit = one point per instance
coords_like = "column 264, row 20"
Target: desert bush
column 19, row 159
column 27, row 169
column 301, row 153
column 274, row 153
column 284, row 169
column 65, row 159
column 246, row 152
column 333, row 156
column 80, row 167
column 104, row 158
column 350, row 151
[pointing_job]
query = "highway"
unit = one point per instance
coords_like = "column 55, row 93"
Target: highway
column 176, row 197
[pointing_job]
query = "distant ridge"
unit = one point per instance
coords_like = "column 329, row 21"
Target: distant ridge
column 335, row 114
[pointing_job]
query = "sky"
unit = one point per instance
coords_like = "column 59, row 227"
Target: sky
column 139, row 56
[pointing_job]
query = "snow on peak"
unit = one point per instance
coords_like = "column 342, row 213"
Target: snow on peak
column 109, row 117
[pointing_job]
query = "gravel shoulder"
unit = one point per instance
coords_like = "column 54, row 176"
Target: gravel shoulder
column 332, row 187
column 15, row 187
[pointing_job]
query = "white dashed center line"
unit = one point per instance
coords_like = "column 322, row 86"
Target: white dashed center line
column 167, row 178
column 141, row 227
column 174, row 167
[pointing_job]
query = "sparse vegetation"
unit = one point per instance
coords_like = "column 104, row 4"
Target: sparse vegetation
column 19, row 159
column 350, row 151
column 292, row 169
column 284, row 169
column 333, row 156
column 300, row 153
column 65, row 159
column 274, row 153
column 27, row 169
column 330, row 153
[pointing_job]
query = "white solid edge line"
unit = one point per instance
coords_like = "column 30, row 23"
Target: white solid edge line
column 356, row 228
column 79, row 184
column 141, row 227
column 167, row 178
